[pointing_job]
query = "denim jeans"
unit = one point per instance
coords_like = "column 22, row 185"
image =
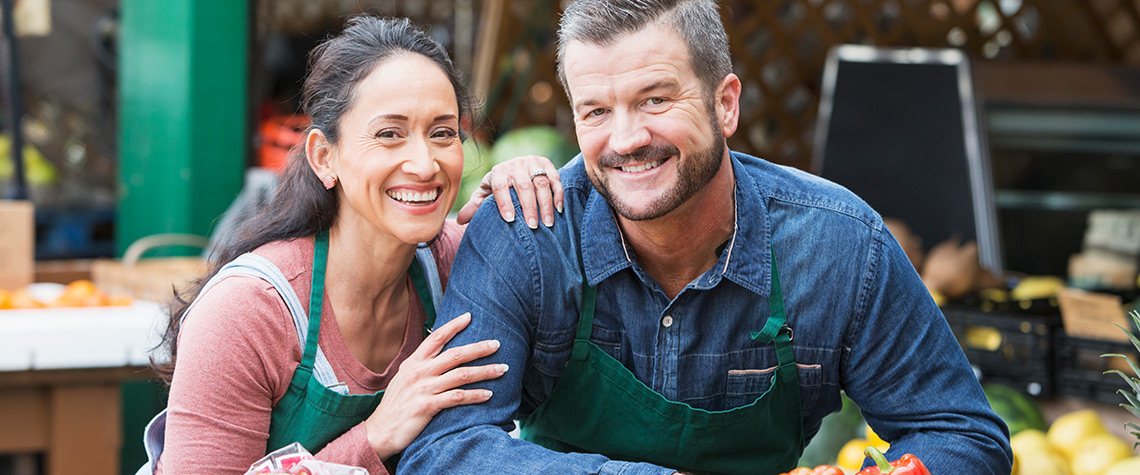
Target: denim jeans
column 863, row 323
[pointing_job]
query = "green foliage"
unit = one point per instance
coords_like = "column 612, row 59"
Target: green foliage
column 1133, row 397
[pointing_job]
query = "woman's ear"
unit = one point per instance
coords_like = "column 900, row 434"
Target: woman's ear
column 319, row 153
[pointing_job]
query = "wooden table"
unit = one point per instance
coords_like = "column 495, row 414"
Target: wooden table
column 60, row 375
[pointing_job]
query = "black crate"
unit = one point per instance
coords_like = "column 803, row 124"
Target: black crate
column 1010, row 348
column 1080, row 368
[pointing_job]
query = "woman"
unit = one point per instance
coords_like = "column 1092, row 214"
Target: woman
column 258, row 368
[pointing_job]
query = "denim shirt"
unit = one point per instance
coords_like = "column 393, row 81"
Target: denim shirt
column 863, row 322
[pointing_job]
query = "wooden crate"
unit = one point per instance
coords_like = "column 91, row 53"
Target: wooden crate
column 149, row 279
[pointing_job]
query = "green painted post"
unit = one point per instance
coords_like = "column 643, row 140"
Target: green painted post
column 183, row 69
column 182, row 138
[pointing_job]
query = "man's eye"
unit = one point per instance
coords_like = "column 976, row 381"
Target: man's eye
column 596, row 112
column 656, row 101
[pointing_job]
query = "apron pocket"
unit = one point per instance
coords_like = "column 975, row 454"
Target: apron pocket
column 743, row 386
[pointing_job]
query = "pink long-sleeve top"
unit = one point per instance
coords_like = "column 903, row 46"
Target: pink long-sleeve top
column 237, row 353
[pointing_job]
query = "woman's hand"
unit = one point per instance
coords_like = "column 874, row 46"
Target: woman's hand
column 538, row 192
column 427, row 383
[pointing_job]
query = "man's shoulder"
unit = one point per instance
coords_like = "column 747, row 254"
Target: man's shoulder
column 794, row 187
column 574, row 177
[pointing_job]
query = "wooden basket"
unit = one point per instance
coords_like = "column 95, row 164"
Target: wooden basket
column 152, row 279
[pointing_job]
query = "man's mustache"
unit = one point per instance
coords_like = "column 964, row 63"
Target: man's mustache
column 647, row 153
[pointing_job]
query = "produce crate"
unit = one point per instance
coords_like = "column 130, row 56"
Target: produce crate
column 74, row 233
column 150, row 279
column 1011, row 348
column 1080, row 368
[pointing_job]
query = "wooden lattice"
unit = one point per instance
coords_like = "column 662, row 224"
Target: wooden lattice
column 778, row 47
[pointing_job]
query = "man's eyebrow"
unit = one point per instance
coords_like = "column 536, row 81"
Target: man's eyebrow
column 666, row 85
column 586, row 103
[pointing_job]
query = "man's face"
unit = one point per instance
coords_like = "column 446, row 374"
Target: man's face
column 649, row 138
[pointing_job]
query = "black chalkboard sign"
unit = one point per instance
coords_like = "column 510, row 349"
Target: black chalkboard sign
column 899, row 127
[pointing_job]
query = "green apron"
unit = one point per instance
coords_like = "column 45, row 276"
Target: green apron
column 309, row 412
column 599, row 406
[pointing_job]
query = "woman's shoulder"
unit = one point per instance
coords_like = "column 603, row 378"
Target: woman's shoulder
column 294, row 257
column 444, row 247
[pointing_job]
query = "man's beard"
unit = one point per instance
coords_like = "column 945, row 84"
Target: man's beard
column 692, row 175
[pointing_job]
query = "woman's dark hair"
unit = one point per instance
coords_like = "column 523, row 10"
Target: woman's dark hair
column 302, row 206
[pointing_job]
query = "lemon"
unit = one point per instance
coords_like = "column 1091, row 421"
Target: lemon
column 1070, row 430
column 875, row 440
column 1097, row 453
column 1030, row 442
column 1044, row 463
column 1128, row 466
column 851, row 455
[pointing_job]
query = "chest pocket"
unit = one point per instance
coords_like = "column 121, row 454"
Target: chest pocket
column 742, row 386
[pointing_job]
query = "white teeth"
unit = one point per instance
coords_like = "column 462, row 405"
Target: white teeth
column 414, row 197
column 642, row 167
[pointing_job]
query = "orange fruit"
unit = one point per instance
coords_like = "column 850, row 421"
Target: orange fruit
column 5, row 299
column 120, row 300
column 20, row 299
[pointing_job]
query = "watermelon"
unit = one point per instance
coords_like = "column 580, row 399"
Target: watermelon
column 535, row 140
column 834, row 431
column 1015, row 408
column 476, row 163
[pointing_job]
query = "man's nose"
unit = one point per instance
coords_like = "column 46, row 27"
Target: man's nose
column 628, row 134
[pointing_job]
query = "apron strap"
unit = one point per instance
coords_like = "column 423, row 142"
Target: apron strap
column 776, row 328
column 316, row 296
column 424, row 274
column 777, row 315
column 585, row 321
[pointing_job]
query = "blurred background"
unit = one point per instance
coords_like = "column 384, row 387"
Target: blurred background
column 139, row 118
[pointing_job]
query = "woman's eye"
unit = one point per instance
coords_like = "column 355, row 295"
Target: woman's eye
column 445, row 133
column 386, row 134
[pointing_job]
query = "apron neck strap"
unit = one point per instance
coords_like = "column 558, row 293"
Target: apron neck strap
column 316, row 295
column 777, row 315
column 419, row 281
column 586, row 319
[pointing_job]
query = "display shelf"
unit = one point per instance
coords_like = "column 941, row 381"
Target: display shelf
column 70, row 338
column 1007, row 347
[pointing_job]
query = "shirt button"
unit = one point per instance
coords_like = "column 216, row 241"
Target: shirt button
column 667, row 321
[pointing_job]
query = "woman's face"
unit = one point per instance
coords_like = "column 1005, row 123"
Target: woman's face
column 399, row 159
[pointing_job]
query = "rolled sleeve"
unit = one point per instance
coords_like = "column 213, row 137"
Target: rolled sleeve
column 910, row 377
column 496, row 277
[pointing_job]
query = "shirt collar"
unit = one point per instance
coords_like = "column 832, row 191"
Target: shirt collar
column 746, row 260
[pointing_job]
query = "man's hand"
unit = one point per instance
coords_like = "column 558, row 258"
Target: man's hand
column 535, row 180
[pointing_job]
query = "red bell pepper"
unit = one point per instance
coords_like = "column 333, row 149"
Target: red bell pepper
column 907, row 465
column 820, row 470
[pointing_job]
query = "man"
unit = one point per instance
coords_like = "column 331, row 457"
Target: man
column 692, row 308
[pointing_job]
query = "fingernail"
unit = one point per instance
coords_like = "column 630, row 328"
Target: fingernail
column 494, row 344
column 465, row 315
column 503, row 368
column 548, row 220
column 510, row 217
column 487, row 393
column 533, row 223
column 559, row 207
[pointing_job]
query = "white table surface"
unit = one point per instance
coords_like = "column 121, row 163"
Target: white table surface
column 68, row 338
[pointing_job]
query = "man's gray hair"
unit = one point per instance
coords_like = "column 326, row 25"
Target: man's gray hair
column 602, row 22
